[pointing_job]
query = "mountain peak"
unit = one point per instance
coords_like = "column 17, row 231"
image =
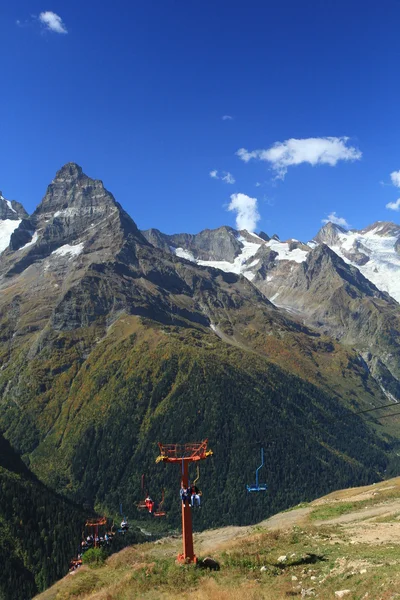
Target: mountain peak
column 72, row 192
column 77, row 212
column 69, row 172
column 329, row 233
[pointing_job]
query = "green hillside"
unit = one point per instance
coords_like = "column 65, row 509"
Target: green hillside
column 146, row 383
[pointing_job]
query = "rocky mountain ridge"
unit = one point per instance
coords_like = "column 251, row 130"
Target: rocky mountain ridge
column 343, row 283
column 378, row 244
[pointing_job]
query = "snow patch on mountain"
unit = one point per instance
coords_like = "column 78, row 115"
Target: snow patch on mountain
column 7, row 227
column 284, row 252
column 33, row 241
column 68, row 249
column 8, row 204
column 182, row 253
column 249, row 249
column 383, row 265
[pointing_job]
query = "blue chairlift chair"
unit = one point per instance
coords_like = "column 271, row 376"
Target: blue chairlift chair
column 258, row 487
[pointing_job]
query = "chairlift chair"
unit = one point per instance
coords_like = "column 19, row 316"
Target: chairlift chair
column 160, row 512
column 141, row 505
column 258, row 487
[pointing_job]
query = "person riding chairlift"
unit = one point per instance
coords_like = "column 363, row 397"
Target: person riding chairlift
column 195, row 494
column 124, row 525
column 185, row 495
column 149, row 504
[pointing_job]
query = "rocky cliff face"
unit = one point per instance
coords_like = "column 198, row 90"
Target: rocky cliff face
column 208, row 245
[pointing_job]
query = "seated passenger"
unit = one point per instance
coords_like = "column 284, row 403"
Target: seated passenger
column 185, row 496
column 195, row 494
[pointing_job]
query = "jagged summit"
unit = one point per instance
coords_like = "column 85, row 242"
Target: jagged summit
column 328, row 234
column 70, row 170
column 74, row 192
column 76, row 214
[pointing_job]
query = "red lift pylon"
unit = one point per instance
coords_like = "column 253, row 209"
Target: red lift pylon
column 95, row 524
column 184, row 454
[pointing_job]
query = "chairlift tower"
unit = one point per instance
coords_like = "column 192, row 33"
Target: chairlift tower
column 94, row 524
column 184, row 454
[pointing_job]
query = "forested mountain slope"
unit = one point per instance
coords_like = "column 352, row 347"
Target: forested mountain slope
column 39, row 530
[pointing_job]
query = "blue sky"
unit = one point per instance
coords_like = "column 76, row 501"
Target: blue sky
column 135, row 93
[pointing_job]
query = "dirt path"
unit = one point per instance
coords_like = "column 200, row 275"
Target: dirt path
column 386, row 509
column 359, row 525
column 286, row 520
column 211, row 540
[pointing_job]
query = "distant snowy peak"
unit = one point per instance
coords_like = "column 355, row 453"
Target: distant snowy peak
column 11, row 209
column 328, row 234
column 11, row 214
column 247, row 253
column 374, row 250
column 382, row 228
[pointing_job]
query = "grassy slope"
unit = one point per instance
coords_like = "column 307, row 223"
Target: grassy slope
column 100, row 418
column 348, row 540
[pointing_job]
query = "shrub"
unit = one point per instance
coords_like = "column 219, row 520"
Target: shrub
column 94, row 557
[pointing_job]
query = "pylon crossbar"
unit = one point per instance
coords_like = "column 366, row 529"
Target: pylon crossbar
column 96, row 522
column 187, row 452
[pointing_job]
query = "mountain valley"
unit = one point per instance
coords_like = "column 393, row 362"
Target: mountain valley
column 113, row 339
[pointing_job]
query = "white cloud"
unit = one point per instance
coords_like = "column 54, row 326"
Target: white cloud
column 247, row 215
column 226, row 176
column 333, row 218
column 227, row 118
column 395, row 177
column 245, row 155
column 314, row 151
column 52, row 22
column 394, row 205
